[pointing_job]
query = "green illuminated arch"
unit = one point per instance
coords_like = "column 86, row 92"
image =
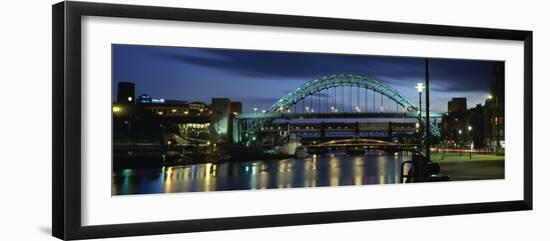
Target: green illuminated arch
column 339, row 80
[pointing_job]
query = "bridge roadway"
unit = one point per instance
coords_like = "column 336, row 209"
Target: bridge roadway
column 283, row 115
column 367, row 144
column 349, row 129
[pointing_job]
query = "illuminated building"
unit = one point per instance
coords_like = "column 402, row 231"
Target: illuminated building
column 494, row 111
column 486, row 123
column 221, row 108
column 234, row 133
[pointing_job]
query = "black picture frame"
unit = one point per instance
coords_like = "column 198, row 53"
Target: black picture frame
column 66, row 47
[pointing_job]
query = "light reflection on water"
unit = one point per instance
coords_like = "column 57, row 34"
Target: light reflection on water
column 314, row 171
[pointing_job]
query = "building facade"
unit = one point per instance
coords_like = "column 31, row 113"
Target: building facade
column 481, row 126
column 457, row 105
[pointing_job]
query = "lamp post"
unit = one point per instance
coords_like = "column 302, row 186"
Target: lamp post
column 471, row 140
column 419, row 87
column 129, row 131
column 491, row 107
column 460, row 140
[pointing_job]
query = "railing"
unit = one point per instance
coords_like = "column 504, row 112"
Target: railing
column 402, row 174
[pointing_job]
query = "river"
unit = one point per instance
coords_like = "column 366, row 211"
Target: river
column 333, row 169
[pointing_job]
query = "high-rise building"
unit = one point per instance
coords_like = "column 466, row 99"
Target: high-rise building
column 236, row 107
column 221, row 109
column 457, row 105
column 126, row 93
column 234, row 128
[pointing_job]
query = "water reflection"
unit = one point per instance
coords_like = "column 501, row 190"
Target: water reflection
column 335, row 169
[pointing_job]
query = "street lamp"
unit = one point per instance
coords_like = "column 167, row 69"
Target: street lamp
column 419, row 87
column 255, row 109
column 490, row 97
column 470, row 136
column 471, row 141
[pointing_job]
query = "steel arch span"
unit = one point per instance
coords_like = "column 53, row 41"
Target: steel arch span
column 340, row 80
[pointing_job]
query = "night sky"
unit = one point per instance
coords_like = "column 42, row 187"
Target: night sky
column 260, row 78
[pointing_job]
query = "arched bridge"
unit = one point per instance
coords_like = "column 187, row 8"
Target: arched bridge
column 317, row 85
column 366, row 144
column 318, row 98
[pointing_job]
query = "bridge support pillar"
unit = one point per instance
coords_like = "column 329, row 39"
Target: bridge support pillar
column 390, row 131
column 356, row 133
column 322, row 130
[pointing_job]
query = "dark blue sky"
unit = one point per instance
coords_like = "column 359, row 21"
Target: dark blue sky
column 260, row 78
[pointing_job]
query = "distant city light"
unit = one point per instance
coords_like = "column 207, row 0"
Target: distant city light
column 117, row 109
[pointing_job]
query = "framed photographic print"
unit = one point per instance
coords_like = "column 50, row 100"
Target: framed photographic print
column 170, row 120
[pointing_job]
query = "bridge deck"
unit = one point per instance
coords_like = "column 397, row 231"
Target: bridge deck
column 280, row 115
